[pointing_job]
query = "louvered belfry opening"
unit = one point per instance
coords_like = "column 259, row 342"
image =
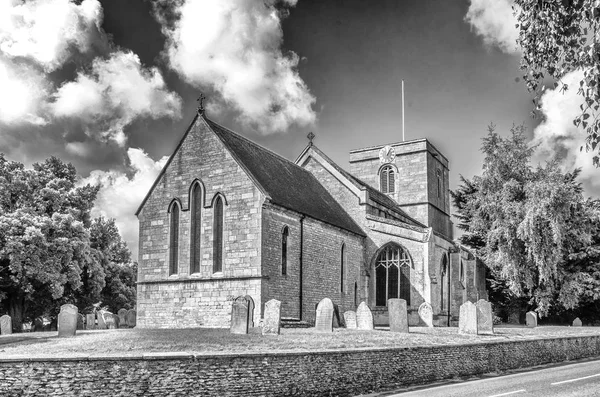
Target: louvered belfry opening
column 387, row 181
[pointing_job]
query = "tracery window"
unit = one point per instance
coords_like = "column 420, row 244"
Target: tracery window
column 284, row 250
column 218, row 236
column 195, row 228
column 392, row 275
column 174, row 238
column 387, row 180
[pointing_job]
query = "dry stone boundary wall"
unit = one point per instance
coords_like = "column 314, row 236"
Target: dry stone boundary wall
column 300, row 373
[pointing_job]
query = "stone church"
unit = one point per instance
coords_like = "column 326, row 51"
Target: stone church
column 227, row 217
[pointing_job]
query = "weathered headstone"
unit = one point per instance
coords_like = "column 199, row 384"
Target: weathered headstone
column 398, row 315
column 38, row 324
column 250, row 311
column 90, row 321
column 577, row 322
column 67, row 320
column 338, row 320
column 272, row 319
column 426, row 314
column 350, row 319
column 109, row 320
column 101, row 319
column 324, row 316
column 513, row 317
column 531, row 319
column 239, row 316
column 122, row 318
column 467, row 321
column 5, row 325
column 485, row 321
column 80, row 321
column 131, row 318
column 364, row 317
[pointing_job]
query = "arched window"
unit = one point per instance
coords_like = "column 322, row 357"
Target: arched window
column 195, row 228
column 284, row 250
column 392, row 275
column 444, row 275
column 342, row 260
column 218, row 236
column 386, row 179
column 174, row 238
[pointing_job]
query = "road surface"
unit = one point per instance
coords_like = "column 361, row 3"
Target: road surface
column 579, row 379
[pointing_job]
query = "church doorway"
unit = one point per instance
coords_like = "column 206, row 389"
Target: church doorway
column 392, row 275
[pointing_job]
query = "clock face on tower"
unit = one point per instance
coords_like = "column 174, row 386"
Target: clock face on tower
column 387, row 154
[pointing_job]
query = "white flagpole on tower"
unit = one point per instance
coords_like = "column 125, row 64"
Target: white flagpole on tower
column 402, row 110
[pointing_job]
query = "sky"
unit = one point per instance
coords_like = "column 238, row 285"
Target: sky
column 111, row 85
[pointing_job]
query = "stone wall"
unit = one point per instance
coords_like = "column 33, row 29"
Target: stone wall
column 304, row 373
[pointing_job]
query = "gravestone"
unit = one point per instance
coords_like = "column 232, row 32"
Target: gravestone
column 272, row 319
column 338, row 320
column 426, row 314
column 239, row 316
column 398, row 315
column 350, row 319
column 80, row 321
column 485, row 322
column 109, row 320
column 577, row 322
column 90, row 321
column 122, row 318
column 364, row 317
column 467, row 321
column 67, row 320
column 5, row 325
column 131, row 318
column 250, row 311
column 324, row 316
column 38, row 324
column 531, row 319
column 100, row 318
column 513, row 318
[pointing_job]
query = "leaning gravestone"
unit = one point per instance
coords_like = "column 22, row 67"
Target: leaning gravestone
column 90, row 321
column 485, row 322
column 272, row 319
column 131, row 318
column 364, row 317
column 338, row 320
column 398, row 315
column 5, row 325
column 250, row 311
column 577, row 322
column 426, row 314
column 67, row 320
column 239, row 316
column 100, row 317
column 80, row 321
column 350, row 319
column 467, row 321
column 122, row 318
column 531, row 319
column 324, row 316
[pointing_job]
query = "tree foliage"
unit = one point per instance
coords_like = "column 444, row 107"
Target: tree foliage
column 558, row 37
column 51, row 252
column 532, row 225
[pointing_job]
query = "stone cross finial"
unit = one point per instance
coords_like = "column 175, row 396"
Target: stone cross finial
column 200, row 100
column 310, row 137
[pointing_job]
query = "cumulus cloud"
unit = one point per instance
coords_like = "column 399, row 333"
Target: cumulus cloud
column 234, row 47
column 122, row 192
column 558, row 137
column 22, row 93
column 114, row 93
column 48, row 31
column 494, row 21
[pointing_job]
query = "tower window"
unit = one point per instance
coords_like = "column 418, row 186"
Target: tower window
column 387, row 180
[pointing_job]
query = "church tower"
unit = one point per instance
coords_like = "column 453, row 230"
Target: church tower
column 414, row 174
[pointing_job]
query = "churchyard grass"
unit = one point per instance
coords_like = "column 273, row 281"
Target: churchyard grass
column 139, row 341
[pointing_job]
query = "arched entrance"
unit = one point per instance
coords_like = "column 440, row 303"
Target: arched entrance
column 392, row 274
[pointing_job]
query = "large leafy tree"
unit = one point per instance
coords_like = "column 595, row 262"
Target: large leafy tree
column 532, row 225
column 558, row 37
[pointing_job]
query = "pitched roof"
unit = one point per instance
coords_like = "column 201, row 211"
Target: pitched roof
column 285, row 183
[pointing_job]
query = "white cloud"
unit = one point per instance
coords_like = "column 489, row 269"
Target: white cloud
column 494, row 21
column 559, row 137
column 120, row 195
column 114, row 93
column 234, row 47
column 48, row 31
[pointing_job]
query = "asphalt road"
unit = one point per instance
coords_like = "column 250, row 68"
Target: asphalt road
column 579, row 379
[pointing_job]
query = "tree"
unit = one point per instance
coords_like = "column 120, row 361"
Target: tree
column 532, row 226
column 558, row 37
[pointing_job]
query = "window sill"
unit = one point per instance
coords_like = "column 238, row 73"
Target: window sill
column 217, row 275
